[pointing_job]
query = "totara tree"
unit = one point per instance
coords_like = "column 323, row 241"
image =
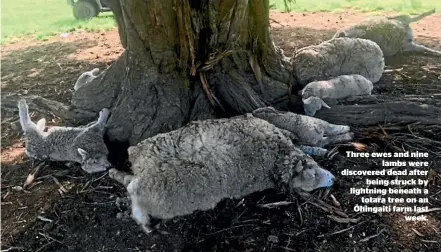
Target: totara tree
column 196, row 59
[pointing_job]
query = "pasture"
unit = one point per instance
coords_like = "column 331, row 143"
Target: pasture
column 44, row 50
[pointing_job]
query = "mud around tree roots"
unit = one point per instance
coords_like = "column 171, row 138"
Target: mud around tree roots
column 67, row 210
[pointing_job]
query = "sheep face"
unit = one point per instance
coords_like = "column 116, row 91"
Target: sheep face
column 313, row 104
column 311, row 176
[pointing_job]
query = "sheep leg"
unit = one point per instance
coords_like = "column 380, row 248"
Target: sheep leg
column 413, row 47
column 100, row 123
column 140, row 216
column 122, row 177
column 334, row 129
column 336, row 139
column 313, row 151
column 421, row 16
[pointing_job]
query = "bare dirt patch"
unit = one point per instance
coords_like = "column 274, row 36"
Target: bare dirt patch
column 67, row 210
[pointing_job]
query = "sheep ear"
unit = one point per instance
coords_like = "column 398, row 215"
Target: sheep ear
column 41, row 124
column 299, row 166
column 82, row 153
column 307, row 100
column 325, row 105
column 95, row 71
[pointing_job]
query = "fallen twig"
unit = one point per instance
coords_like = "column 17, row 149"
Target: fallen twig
column 31, row 177
column 44, row 218
column 44, row 246
column 393, row 70
column 62, row 188
column 11, row 249
column 230, row 228
column 50, row 238
column 343, row 220
column 418, row 233
column 335, row 201
column 346, row 229
column 276, row 204
column 429, row 241
column 275, row 21
column 430, row 210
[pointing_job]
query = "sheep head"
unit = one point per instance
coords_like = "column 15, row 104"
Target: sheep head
column 313, row 104
column 311, row 176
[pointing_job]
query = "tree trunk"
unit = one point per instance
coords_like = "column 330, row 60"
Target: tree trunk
column 187, row 60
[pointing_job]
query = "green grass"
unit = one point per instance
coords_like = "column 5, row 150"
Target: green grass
column 45, row 18
column 402, row 6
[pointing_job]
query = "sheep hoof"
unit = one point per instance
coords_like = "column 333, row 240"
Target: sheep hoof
column 123, row 203
column 147, row 229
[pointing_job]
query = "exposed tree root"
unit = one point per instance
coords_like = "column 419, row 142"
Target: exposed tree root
column 44, row 106
column 367, row 111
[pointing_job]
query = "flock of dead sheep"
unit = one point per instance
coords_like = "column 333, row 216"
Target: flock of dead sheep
column 196, row 166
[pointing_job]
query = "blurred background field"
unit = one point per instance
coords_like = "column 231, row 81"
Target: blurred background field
column 45, row 18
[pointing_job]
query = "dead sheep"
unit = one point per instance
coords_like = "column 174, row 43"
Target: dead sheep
column 195, row 167
column 343, row 86
column 84, row 144
column 340, row 56
column 392, row 34
column 306, row 130
column 85, row 78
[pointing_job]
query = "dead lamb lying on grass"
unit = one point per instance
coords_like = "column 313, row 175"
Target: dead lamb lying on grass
column 83, row 145
column 197, row 166
column 340, row 56
column 85, row 78
column 344, row 86
column 392, row 34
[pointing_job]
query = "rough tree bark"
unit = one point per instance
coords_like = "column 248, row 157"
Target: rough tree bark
column 186, row 60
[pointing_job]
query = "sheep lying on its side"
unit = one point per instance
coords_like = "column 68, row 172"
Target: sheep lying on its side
column 197, row 166
column 341, row 87
column 392, row 34
column 85, row 78
column 337, row 57
column 305, row 130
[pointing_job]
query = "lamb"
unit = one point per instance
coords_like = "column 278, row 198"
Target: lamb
column 195, row 167
column 86, row 77
column 392, row 34
column 340, row 56
column 307, row 130
column 84, row 144
column 341, row 87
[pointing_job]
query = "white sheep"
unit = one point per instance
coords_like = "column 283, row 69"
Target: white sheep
column 392, row 34
column 85, row 78
column 197, row 166
column 83, row 144
column 305, row 130
column 343, row 86
column 340, row 56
